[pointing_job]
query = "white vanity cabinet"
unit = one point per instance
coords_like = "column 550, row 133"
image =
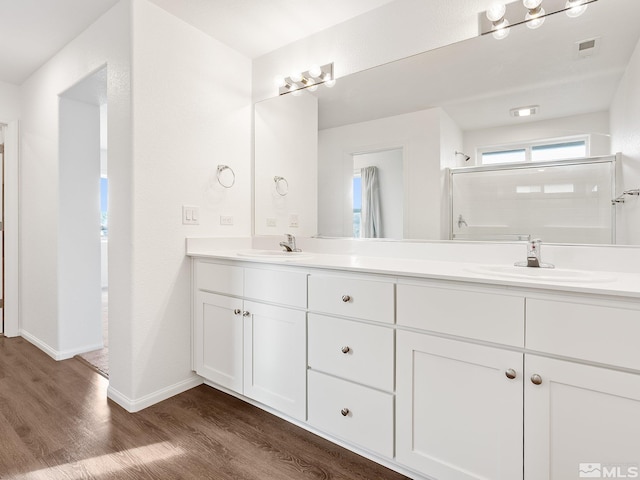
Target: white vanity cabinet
column 351, row 360
column 581, row 417
column 459, row 411
column 446, row 380
column 250, row 333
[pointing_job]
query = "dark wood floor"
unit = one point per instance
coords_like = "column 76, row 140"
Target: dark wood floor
column 56, row 423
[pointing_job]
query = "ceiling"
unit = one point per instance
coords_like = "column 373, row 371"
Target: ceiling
column 35, row 30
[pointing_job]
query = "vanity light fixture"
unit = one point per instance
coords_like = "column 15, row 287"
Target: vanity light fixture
column 524, row 111
column 575, row 8
column 495, row 14
column 499, row 18
column 310, row 79
column 535, row 16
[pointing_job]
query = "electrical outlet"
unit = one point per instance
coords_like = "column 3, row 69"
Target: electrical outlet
column 272, row 222
column 294, row 221
column 226, row 220
column 190, row 215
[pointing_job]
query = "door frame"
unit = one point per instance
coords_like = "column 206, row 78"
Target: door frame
column 11, row 201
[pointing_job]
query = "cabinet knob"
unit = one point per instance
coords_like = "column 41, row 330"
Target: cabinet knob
column 345, row 412
column 246, row 314
column 346, row 349
column 237, row 311
column 346, row 298
column 536, row 379
column 510, row 373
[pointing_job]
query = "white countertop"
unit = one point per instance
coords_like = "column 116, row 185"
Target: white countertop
column 601, row 283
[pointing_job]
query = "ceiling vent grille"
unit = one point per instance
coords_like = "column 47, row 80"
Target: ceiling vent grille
column 587, row 48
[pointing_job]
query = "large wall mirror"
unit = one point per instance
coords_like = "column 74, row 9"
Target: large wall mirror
column 415, row 119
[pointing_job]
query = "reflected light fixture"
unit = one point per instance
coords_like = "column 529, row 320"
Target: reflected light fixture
column 535, row 16
column 524, row 111
column 296, row 82
column 575, row 8
column 495, row 14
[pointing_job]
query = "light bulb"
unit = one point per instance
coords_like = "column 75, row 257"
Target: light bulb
column 296, row 77
column 535, row 20
column 279, row 81
column 315, row 71
column 330, row 83
column 575, row 8
column 313, row 88
column 531, row 4
column 297, row 92
column 502, row 30
column 496, row 12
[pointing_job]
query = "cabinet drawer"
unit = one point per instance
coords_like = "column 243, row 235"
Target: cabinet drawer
column 277, row 286
column 213, row 277
column 593, row 332
column 465, row 313
column 355, row 351
column 352, row 297
column 352, row 412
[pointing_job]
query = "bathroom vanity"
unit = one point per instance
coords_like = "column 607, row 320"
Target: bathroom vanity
column 440, row 370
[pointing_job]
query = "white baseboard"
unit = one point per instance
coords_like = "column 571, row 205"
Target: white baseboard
column 135, row 405
column 52, row 352
column 56, row 354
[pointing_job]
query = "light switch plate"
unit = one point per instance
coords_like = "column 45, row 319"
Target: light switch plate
column 294, row 221
column 272, row 222
column 190, row 215
column 226, row 220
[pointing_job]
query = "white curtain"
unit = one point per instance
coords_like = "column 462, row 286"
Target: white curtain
column 371, row 225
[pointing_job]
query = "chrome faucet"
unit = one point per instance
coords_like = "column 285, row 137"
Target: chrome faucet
column 534, row 256
column 290, row 244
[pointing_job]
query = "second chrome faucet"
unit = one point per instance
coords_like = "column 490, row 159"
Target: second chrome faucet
column 290, row 244
column 534, row 256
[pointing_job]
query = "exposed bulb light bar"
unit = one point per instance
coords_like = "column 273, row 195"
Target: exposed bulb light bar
column 310, row 79
column 575, row 8
column 501, row 17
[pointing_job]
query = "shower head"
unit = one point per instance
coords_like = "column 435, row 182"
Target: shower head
column 466, row 157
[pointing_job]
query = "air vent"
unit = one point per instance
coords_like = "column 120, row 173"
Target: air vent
column 587, row 48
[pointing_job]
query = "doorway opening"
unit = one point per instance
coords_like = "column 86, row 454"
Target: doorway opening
column 83, row 233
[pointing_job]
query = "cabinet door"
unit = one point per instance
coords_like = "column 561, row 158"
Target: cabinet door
column 580, row 421
column 275, row 349
column 218, row 339
column 458, row 415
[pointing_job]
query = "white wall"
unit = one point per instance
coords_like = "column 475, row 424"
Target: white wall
column 191, row 111
column 9, row 102
column 596, row 124
column 625, row 138
column 419, row 134
column 286, row 145
column 106, row 42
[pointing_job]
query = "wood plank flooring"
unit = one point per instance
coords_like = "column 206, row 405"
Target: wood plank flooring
column 56, row 423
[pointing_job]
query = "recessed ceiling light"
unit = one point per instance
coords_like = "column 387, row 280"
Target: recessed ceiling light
column 524, row 111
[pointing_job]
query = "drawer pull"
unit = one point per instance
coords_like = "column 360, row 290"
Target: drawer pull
column 237, row 311
column 510, row 373
column 246, row 314
column 345, row 412
column 536, row 379
column 346, row 350
column 346, row 298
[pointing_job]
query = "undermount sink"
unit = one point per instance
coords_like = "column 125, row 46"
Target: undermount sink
column 544, row 274
column 274, row 254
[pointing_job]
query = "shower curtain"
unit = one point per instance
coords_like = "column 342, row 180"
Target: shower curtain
column 371, row 224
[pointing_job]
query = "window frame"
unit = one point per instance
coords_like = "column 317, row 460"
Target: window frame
column 529, row 146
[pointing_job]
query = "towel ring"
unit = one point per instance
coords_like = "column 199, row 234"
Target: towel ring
column 226, row 180
column 282, row 186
